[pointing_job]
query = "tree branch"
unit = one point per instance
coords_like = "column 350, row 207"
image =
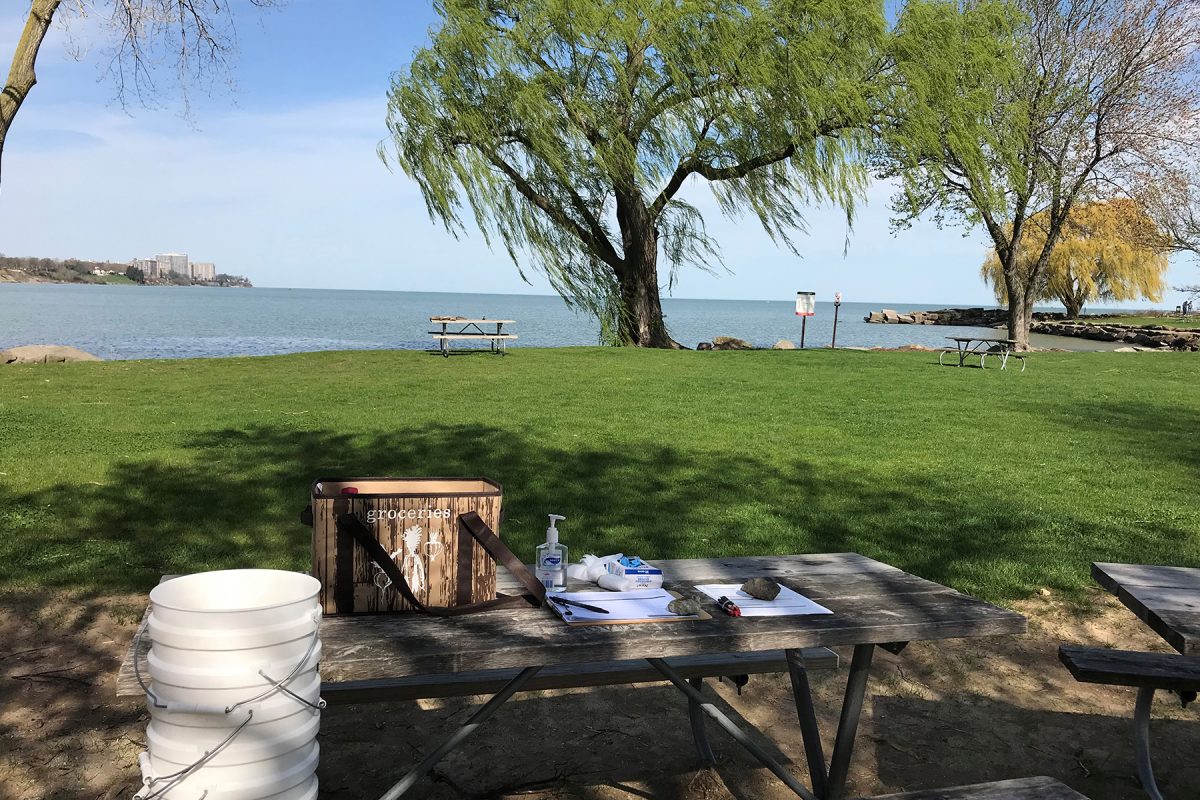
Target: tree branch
column 599, row 245
column 21, row 75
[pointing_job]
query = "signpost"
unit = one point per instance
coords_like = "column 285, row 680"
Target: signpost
column 837, row 304
column 806, row 306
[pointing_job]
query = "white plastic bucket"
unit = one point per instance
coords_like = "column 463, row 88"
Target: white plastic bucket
column 222, row 643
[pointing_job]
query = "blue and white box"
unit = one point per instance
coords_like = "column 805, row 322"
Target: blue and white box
column 643, row 575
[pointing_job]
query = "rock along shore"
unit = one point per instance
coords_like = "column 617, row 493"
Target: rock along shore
column 1150, row 337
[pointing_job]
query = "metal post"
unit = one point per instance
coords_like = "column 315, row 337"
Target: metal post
column 733, row 730
column 466, row 729
column 809, row 731
column 843, row 745
column 696, row 716
column 837, row 304
column 1141, row 743
column 803, row 325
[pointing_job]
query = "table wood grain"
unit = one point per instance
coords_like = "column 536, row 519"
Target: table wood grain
column 872, row 603
column 1165, row 598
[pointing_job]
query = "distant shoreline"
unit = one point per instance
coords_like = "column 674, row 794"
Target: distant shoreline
column 11, row 275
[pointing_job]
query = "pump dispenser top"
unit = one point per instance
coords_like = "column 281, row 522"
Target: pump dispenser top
column 552, row 531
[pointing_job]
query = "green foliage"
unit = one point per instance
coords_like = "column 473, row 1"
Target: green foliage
column 957, row 128
column 997, row 483
column 564, row 129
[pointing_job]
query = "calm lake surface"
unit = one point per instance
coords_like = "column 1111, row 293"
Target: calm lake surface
column 126, row 322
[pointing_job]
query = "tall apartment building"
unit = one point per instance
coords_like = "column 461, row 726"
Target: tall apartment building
column 148, row 266
column 173, row 262
column 203, row 271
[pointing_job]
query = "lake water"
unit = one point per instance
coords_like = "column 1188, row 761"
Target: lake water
column 125, row 322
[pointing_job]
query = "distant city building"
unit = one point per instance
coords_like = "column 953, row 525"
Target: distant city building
column 148, row 266
column 176, row 263
column 203, row 271
column 166, row 264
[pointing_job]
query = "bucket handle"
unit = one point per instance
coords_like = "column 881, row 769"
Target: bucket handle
column 148, row 792
column 200, row 708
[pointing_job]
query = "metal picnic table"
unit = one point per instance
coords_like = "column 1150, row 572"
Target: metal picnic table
column 460, row 328
column 1168, row 600
column 872, row 604
column 967, row 346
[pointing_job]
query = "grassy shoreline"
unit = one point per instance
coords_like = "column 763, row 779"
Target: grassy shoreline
column 997, row 483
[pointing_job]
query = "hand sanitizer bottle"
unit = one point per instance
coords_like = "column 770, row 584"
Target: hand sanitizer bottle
column 550, row 563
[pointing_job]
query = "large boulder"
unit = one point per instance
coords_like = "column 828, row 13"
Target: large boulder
column 704, row 346
column 44, row 354
column 730, row 343
column 874, row 316
column 890, row 316
column 784, row 344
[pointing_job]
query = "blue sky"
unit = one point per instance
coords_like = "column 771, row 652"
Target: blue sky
column 277, row 178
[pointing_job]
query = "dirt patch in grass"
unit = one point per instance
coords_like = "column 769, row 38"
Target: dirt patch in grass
column 938, row 714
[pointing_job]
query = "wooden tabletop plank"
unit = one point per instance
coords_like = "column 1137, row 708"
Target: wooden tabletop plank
column 1166, row 598
column 1111, row 575
column 456, row 321
column 872, row 603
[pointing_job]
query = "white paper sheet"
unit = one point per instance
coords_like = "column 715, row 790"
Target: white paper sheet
column 788, row 604
column 645, row 604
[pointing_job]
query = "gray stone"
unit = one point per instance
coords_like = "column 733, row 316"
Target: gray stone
column 684, row 607
column 874, row 316
column 704, row 346
column 761, row 588
column 44, row 354
column 784, row 344
column 906, row 319
column 730, row 343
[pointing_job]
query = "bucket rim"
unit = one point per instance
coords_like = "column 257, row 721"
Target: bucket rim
column 314, row 589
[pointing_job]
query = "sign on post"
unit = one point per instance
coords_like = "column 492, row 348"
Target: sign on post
column 806, row 306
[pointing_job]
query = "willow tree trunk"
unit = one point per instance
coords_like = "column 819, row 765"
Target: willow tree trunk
column 1020, row 311
column 641, row 322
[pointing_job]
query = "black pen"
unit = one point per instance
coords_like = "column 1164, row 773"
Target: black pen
column 564, row 601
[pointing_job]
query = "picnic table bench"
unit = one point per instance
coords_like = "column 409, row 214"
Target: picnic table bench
column 460, row 328
column 389, row 656
column 967, row 346
column 1168, row 600
column 1040, row 788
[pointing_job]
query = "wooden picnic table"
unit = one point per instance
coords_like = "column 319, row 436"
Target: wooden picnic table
column 872, row 604
column 1165, row 598
column 460, row 328
column 967, row 346
column 1168, row 600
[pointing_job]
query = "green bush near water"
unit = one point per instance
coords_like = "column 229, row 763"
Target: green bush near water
column 997, row 483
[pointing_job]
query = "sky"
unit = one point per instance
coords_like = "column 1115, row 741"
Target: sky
column 274, row 174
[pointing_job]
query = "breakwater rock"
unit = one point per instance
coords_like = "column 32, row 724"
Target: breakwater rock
column 1150, row 337
column 966, row 317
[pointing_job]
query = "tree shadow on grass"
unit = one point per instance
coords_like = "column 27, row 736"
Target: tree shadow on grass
column 235, row 502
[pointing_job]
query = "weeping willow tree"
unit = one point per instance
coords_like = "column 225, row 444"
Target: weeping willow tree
column 566, row 129
column 1106, row 251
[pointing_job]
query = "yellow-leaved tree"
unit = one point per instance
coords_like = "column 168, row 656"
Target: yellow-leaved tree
column 1107, row 251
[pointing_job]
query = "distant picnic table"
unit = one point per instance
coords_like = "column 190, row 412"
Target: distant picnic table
column 461, row 328
column 967, row 346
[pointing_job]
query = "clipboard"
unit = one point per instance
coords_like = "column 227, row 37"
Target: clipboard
column 601, row 597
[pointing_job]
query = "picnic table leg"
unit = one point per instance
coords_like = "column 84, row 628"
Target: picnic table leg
column 696, row 717
column 843, row 745
column 1141, row 743
column 809, row 732
column 480, row 716
column 732, row 729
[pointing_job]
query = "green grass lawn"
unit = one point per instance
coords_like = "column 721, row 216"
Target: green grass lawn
column 1184, row 323
column 997, row 483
